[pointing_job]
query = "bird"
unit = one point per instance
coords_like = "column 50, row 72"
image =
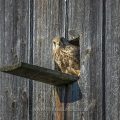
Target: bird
column 66, row 56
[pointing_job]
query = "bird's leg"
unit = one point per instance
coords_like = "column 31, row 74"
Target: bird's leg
column 76, row 72
column 72, row 71
column 67, row 72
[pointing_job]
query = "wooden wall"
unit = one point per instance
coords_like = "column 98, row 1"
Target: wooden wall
column 26, row 31
column 112, row 60
column 14, row 47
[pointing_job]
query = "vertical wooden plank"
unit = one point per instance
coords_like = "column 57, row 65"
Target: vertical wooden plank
column 14, row 19
column 112, row 60
column 48, row 22
column 2, row 20
column 84, row 99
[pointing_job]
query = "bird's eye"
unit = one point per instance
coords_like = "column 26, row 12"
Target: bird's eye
column 54, row 42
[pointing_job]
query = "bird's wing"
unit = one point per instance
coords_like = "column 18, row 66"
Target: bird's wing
column 71, row 51
column 68, row 59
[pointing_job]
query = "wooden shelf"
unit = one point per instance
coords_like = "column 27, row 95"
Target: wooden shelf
column 39, row 74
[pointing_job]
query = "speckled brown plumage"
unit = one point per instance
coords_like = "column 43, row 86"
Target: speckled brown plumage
column 66, row 56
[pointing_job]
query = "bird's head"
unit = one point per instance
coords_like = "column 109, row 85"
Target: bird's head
column 56, row 42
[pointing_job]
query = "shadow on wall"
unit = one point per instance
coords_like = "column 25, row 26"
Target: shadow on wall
column 72, row 93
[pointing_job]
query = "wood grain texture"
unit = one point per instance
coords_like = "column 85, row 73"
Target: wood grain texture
column 85, row 17
column 112, row 60
column 48, row 22
column 98, row 24
column 40, row 74
column 13, row 48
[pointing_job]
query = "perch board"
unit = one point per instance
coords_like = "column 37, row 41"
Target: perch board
column 39, row 74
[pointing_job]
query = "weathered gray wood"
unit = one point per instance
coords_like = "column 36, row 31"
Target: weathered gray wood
column 13, row 48
column 70, row 102
column 39, row 74
column 85, row 17
column 48, row 22
column 112, row 60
